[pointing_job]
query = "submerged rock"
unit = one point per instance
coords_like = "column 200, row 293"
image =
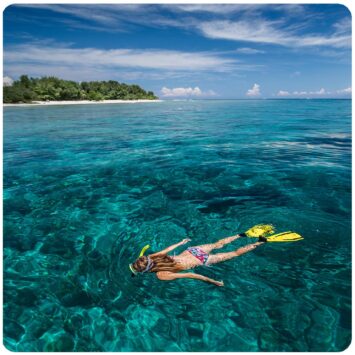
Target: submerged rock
column 60, row 343
column 26, row 297
column 13, row 330
column 77, row 298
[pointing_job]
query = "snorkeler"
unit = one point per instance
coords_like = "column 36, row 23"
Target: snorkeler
column 169, row 267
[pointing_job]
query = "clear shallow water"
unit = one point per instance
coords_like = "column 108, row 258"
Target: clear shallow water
column 86, row 187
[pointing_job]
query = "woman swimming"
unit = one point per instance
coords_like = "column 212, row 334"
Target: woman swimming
column 168, row 267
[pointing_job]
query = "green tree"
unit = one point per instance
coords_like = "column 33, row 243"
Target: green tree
column 51, row 88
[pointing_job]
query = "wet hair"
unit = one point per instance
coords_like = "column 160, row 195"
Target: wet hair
column 159, row 263
column 140, row 264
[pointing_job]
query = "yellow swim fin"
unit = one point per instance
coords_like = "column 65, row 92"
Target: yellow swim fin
column 284, row 237
column 260, row 230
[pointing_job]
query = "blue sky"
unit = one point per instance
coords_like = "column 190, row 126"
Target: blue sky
column 186, row 51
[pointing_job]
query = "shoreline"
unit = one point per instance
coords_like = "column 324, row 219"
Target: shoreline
column 79, row 102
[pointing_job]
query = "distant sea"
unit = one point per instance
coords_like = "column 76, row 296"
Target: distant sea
column 87, row 186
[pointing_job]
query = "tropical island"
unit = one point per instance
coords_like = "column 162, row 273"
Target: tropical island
column 48, row 89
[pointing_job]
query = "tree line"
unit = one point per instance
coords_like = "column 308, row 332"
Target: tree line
column 54, row 89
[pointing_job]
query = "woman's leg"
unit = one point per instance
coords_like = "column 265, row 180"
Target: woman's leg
column 207, row 248
column 218, row 258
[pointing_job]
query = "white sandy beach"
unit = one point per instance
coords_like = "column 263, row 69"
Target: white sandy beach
column 81, row 102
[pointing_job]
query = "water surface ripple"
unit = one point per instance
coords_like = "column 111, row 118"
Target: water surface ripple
column 86, row 187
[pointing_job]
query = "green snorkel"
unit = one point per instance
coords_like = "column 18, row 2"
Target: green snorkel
column 134, row 272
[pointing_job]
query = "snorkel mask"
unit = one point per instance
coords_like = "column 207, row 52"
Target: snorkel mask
column 135, row 272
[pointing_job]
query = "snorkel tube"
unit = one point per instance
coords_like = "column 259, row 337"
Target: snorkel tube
column 144, row 250
column 135, row 272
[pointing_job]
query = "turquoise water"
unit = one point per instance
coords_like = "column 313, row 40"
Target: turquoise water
column 86, row 187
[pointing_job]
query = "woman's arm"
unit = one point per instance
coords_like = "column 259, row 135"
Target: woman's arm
column 167, row 276
column 172, row 247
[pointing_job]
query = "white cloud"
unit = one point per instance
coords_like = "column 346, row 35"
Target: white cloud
column 254, row 91
column 300, row 93
column 247, row 50
column 318, row 93
column 272, row 32
column 283, row 93
column 7, row 81
column 343, row 26
column 244, row 9
column 183, row 92
column 104, row 14
column 295, row 74
column 216, row 9
column 253, row 28
column 35, row 59
column 143, row 58
column 344, row 91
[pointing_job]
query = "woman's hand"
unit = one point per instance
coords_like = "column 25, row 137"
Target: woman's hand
column 184, row 241
column 219, row 283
